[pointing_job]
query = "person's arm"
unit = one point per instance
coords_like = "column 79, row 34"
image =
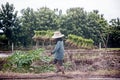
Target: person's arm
column 56, row 47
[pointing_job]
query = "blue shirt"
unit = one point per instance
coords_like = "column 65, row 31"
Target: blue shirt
column 59, row 50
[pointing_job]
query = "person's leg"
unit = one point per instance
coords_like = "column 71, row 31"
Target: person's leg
column 57, row 66
column 61, row 67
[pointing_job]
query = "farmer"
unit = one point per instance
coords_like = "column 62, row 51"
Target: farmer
column 58, row 52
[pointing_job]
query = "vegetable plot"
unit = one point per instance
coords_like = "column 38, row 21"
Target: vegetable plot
column 22, row 61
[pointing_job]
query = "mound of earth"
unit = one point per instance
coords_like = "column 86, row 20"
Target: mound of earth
column 76, row 75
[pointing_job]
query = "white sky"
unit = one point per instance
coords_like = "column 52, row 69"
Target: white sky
column 110, row 8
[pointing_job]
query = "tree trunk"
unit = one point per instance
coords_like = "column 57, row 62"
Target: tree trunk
column 104, row 40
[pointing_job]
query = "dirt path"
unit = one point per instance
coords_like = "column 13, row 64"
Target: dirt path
column 59, row 76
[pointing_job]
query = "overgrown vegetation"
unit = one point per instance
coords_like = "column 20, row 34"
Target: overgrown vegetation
column 22, row 61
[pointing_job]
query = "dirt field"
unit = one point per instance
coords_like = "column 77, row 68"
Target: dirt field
column 76, row 75
column 83, row 65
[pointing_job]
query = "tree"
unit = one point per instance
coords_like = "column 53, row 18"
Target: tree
column 114, row 40
column 74, row 22
column 28, row 23
column 97, row 28
column 9, row 21
column 47, row 19
column 86, row 24
column 42, row 19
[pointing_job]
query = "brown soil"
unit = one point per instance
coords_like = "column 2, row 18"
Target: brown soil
column 93, row 65
column 76, row 75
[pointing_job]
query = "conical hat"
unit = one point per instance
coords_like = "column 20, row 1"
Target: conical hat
column 57, row 34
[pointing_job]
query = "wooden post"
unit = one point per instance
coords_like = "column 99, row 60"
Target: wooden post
column 100, row 45
column 37, row 43
column 12, row 46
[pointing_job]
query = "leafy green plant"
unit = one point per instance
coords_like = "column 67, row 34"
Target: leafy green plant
column 21, row 61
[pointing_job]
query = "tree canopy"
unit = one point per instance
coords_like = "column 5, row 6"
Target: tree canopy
column 114, row 39
column 76, row 21
column 9, row 21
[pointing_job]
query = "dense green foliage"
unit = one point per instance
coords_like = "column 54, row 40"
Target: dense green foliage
column 85, row 24
column 22, row 61
column 43, row 19
column 9, row 21
column 114, row 39
column 76, row 21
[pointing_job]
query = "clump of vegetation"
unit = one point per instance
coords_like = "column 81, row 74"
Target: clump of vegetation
column 79, row 42
column 43, row 34
column 43, row 37
column 21, row 61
